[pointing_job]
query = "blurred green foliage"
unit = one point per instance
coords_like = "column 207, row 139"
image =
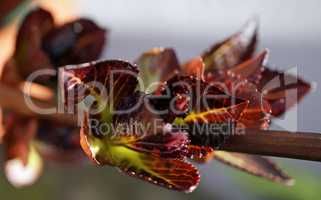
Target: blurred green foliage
column 307, row 185
column 90, row 182
column 83, row 182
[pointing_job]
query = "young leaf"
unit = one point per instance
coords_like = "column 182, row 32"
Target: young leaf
column 250, row 69
column 182, row 95
column 202, row 131
column 157, row 65
column 169, row 173
column 217, row 115
column 114, row 78
column 255, row 165
column 129, row 154
column 194, row 67
column 149, row 157
column 240, row 81
column 282, row 90
column 232, row 51
column 257, row 114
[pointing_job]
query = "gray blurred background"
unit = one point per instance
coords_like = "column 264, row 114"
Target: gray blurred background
column 290, row 29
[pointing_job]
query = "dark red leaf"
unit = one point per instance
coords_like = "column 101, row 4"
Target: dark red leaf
column 182, row 95
column 117, row 78
column 232, row 51
column 133, row 159
column 166, row 145
column 76, row 42
column 282, row 90
column 169, row 173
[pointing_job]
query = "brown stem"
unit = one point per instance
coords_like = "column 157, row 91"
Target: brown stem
column 305, row 146
column 13, row 99
column 298, row 145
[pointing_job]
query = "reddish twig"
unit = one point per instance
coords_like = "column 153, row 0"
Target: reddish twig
column 299, row 145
